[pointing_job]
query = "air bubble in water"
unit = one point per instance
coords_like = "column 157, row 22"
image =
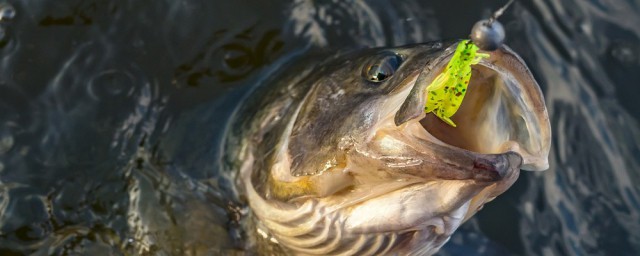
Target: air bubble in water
column 624, row 53
column 6, row 142
column 7, row 12
column 109, row 83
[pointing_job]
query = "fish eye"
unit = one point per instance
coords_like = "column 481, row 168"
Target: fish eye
column 382, row 68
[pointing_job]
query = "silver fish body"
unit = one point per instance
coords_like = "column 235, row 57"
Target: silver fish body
column 339, row 158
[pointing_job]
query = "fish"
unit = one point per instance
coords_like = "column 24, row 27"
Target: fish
column 338, row 157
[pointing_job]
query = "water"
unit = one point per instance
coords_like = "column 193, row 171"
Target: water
column 111, row 114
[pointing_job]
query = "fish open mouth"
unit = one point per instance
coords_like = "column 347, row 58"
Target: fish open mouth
column 494, row 119
column 487, row 123
column 502, row 127
column 503, row 115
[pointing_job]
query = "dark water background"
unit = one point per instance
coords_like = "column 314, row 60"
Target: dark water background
column 111, row 115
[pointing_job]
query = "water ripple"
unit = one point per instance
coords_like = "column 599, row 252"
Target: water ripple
column 591, row 187
column 110, row 115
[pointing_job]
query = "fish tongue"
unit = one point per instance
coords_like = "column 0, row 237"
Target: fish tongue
column 462, row 164
column 496, row 167
column 446, row 162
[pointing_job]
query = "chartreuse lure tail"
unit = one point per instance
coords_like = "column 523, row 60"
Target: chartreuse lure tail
column 446, row 92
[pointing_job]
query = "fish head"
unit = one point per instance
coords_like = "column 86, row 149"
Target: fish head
column 361, row 148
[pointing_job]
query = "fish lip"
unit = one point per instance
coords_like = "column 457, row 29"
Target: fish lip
column 536, row 158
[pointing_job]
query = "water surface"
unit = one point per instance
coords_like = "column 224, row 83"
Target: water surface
column 111, row 115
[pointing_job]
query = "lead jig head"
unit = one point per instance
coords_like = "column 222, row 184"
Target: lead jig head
column 489, row 34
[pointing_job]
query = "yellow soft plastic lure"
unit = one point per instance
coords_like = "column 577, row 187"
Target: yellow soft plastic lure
column 446, row 92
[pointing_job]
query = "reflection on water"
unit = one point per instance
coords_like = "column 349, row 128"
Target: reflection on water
column 241, row 55
column 111, row 114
